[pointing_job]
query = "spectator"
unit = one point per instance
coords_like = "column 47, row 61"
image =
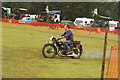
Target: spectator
column 85, row 24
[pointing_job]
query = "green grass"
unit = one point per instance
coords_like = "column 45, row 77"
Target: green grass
column 22, row 57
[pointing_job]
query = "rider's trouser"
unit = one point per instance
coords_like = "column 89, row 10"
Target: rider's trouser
column 66, row 43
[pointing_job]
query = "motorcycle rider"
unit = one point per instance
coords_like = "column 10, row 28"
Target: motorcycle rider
column 69, row 38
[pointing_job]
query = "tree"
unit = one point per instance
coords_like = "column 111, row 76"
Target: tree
column 71, row 10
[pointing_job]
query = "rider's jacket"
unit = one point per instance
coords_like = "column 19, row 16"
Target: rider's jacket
column 68, row 35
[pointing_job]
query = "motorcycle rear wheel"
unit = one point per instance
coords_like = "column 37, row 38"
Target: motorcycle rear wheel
column 79, row 53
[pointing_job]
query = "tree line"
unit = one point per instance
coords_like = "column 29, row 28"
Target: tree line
column 70, row 10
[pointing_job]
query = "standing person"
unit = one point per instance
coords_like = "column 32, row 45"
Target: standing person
column 69, row 38
column 85, row 24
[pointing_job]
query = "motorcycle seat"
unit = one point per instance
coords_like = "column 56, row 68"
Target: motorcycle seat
column 76, row 42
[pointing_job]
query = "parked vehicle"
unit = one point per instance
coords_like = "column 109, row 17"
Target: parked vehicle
column 113, row 25
column 32, row 16
column 56, row 47
column 26, row 20
column 67, row 22
column 83, row 22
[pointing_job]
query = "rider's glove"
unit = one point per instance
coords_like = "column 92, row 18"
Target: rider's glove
column 60, row 37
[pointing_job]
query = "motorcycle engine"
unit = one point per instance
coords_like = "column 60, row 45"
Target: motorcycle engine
column 63, row 51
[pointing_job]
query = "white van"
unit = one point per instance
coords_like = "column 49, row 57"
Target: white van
column 113, row 24
column 83, row 22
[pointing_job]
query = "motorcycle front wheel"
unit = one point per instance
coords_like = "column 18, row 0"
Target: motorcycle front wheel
column 49, row 51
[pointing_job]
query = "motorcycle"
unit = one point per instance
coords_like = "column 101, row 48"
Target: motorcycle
column 56, row 47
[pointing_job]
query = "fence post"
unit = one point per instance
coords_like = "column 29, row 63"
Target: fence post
column 104, row 53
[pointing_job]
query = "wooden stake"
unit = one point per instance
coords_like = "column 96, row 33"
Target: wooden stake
column 104, row 54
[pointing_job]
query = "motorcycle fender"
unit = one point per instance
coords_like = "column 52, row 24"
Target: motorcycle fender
column 49, row 44
column 78, row 45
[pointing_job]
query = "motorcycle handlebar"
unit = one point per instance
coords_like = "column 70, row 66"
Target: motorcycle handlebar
column 58, row 39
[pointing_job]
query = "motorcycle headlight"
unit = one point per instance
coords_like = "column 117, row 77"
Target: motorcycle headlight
column 51, row 38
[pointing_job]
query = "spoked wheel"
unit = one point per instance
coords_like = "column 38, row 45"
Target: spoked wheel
column 78, row 53
column 49, row 51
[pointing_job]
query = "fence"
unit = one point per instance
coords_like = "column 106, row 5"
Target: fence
column 114, row 65
column 56, row 26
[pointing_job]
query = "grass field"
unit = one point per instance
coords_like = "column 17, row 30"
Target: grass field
column 22, row 57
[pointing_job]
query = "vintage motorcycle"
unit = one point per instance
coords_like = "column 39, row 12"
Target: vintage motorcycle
column 56, row 47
